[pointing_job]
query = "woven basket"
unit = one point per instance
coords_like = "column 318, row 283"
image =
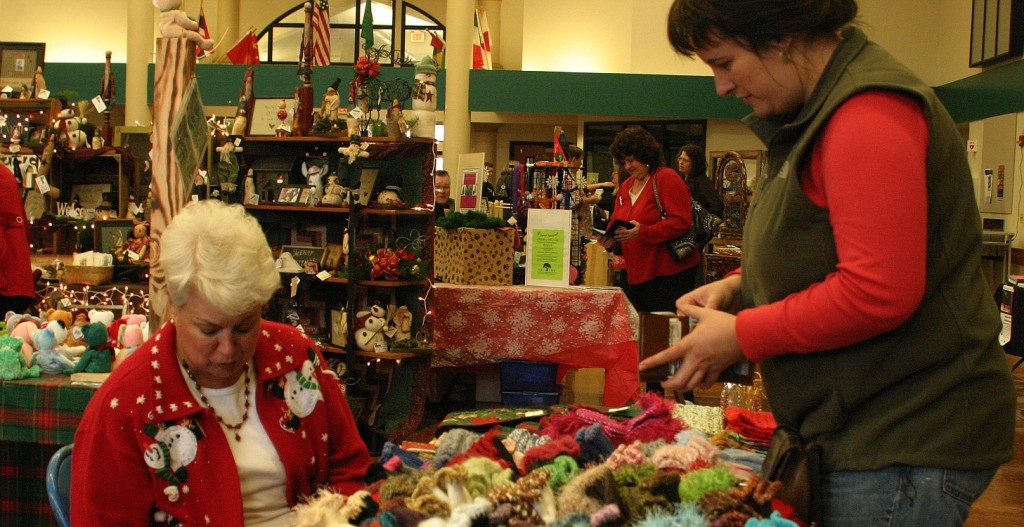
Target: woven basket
column 88, row 274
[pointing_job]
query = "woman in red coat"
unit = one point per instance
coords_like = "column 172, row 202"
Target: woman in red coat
column 653, row 278
column 17, row 287
column 220, row 418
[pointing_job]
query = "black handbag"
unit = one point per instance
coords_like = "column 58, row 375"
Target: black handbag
column 798, row 466
column 704, row 228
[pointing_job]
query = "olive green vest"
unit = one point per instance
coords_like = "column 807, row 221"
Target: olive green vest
column 936, row 391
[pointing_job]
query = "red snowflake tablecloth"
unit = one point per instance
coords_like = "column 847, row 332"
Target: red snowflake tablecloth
column 577, row 327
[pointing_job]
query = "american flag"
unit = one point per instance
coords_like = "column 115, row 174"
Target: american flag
column 321, row 33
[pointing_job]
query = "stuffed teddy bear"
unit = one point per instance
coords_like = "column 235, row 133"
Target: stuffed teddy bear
column 127, row 334
column 75, row 340
column 97, row 315
column 46, row 355
column 24, row 331
column 137, row 247
column 12, row 364
column 98, row 358
column 174, row 23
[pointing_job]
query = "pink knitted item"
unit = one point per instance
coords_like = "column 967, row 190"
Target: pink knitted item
column 631, row 454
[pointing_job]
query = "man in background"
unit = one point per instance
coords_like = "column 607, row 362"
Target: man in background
column 442, row 194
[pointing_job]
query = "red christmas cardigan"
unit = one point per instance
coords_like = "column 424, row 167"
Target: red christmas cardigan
column 145, row 415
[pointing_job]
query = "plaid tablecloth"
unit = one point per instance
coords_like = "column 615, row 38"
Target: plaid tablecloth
column 37, row 416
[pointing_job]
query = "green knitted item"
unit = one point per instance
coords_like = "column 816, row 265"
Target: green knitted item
column 694, row 485
column 563, row 469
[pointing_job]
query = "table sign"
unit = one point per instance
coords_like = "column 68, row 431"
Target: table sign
column 548, row 239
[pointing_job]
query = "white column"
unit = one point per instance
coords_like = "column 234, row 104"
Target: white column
column 225, row 26
column 140, row 51
column 493, row 10
column 458, row 58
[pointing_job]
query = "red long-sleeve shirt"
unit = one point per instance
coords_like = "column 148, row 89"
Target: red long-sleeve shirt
column 868, row 170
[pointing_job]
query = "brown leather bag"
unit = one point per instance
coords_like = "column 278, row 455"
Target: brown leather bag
column 798, row 466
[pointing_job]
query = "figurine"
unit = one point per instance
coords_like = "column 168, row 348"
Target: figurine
column 335, row 195
column 174, row 23
column 397, row 127
column 329, row 106
column 250, row 196
column 241, row 122
column 39, row 83
column 282, row 129
column 227, row 167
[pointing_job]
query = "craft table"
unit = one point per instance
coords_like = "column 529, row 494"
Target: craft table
column 37, row 416
column 577, row 327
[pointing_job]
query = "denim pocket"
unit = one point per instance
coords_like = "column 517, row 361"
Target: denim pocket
column 966, row 485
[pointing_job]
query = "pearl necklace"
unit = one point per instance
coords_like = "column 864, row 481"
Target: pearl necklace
column 202, row 398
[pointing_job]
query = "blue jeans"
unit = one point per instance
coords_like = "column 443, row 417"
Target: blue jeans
column 901, row 496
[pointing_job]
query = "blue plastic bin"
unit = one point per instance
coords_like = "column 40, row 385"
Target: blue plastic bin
column 532, row 399
column 528, row 376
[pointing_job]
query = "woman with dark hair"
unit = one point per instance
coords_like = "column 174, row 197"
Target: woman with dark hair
column 653, row 278
column 860, row 292
column 694, row 168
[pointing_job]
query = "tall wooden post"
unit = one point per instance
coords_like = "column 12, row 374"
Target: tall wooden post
column 175, row 68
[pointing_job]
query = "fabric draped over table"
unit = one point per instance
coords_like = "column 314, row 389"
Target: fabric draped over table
column 576, row 327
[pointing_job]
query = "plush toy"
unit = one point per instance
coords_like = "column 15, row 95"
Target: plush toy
column 401, row 319
column 69, row 132
column 371, row 329
column 12, row 363
column 314, row 173
column 174, row 23
column 46, row 355
column 59, row 314
column 98, row 358
column 75, row 339
column 137, row 247
column 24, row 331
column 97, row 315
column 127, row 334
column 227, row 167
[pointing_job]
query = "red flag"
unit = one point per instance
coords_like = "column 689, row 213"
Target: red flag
column 246, row 51
column 321, row 34
column 437, row 43
column 204, row 31
column 478, row 47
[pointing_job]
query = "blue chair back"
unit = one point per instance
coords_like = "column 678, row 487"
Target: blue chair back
column 58, row 485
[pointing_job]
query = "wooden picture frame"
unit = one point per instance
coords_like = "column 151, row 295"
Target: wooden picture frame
column 106, row 234
column 263, row 120
column 289, row 194
column 309, row 258
column 18, row 61
column 334, row 256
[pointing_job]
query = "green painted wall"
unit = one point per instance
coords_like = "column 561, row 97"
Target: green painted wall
column 996, row 91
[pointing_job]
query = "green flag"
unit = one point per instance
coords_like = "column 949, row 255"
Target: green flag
column 366, row 31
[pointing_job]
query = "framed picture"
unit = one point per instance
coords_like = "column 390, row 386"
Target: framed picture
column 18, row 61
column 333, row 256
column 264, row 116
column 289, row 194
column 107, row 234
column 306, row 195
column 305, row 235
column 309, row 258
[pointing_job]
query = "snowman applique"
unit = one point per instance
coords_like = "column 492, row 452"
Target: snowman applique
column 174, row 449
column 301, row 394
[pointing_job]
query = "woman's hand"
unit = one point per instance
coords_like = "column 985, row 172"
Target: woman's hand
column 722, row 295
column 709, row 348
column 622, row 234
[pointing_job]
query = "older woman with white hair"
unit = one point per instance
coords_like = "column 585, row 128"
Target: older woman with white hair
column 221, row 418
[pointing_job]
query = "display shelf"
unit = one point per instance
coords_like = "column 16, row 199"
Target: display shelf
column 405, row 353
column 378, row 283
column 294, row 208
